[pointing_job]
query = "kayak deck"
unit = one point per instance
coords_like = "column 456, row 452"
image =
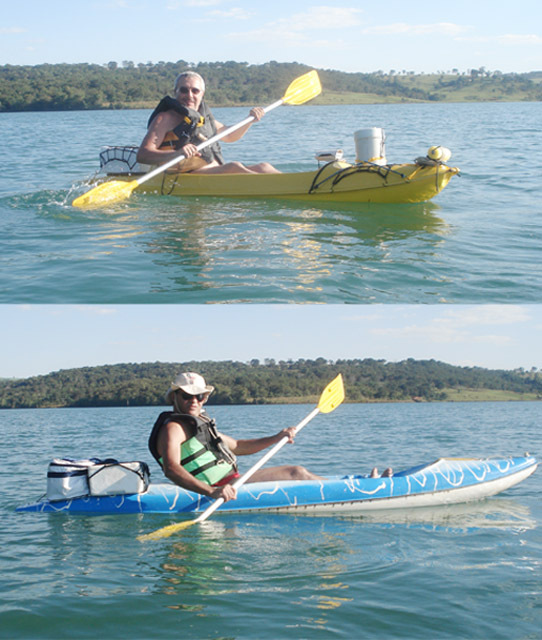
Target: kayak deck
column 445, row 481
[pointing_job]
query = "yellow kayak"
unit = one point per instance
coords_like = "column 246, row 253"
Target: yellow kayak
column 336, row 181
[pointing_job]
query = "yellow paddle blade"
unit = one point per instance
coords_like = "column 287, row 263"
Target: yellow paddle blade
column 332, row 395
column 105, row 193
column 165, row 532
column 303, row 89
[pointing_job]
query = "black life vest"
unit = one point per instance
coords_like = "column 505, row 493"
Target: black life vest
column 205, row 455
column 196, row 127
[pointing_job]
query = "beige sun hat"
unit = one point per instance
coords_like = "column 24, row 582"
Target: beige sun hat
column 189, row 382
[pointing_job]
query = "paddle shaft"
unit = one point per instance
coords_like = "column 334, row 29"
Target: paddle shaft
column 206, row 143
column 248, row 474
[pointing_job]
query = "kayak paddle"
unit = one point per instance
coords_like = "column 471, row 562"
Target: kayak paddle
column 331, row 398
column 301, row 90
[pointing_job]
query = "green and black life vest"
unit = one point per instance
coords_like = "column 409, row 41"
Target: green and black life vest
column 196, row 127
column 205, row 455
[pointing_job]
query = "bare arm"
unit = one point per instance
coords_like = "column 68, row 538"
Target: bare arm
column 247, row 447
column 169, row 442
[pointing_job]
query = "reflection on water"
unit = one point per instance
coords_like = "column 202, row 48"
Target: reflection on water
column 498, row 513
column 265, row 558
column 215, row 250
column 323, row 550
column 378, row 222
column 206, row 243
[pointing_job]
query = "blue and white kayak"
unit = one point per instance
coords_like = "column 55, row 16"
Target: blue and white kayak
column 445, row 481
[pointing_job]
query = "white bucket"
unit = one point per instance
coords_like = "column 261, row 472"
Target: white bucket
column 370, row 145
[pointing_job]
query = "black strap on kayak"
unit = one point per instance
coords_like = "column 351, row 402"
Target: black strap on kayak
column 170, row 186
column 340, row 174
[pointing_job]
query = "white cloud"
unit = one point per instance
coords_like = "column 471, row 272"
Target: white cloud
column 323, row 18
column 199, row 3
column 505, row 39
column 462, row 325
column 97, row 310
column 235, row 13
column 511, row 38
column 8, row 30
column 86, row 310
column 490, row 314
column 121, row 4
column 180, row 5
column 402, row 28
column 290, row 30
column 430, row 333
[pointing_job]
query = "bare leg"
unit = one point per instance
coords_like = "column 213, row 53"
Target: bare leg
column 263, row 167
column 284, row 472
column 237, row 167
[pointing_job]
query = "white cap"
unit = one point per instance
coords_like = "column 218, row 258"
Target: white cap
column 189, row 382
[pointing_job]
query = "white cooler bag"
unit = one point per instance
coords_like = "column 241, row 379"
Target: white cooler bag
column 112, row 478
column 68, row 479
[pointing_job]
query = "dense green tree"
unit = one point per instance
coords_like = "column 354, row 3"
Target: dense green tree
column 59, row 87
column 256, row 383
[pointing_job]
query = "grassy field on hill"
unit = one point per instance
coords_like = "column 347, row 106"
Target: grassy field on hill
column 70, row 87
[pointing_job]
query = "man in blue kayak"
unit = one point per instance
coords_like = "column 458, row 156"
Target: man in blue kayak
column 181, row 123
column 195, row 456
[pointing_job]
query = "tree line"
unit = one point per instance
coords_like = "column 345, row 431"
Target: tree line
column 256, row 382
column 62, row 87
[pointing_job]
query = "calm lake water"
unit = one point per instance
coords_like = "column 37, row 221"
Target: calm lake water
column 478, row 241
column 470, row 571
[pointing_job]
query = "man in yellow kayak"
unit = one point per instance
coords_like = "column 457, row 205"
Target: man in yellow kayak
column 181, row 123
column 195, row 456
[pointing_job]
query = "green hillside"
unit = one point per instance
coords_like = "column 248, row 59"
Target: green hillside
column 271, row 382
column 61, row 87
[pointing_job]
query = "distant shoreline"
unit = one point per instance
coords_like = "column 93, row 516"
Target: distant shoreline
column 322, row 101
column 452, row 396
column 271, row 382
column 84, row 87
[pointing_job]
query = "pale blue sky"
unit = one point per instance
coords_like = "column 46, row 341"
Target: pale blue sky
column 349, row 35
column 39, row 339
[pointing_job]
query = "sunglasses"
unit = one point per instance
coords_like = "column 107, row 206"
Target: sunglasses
column 200, row 397
column 186, row 90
